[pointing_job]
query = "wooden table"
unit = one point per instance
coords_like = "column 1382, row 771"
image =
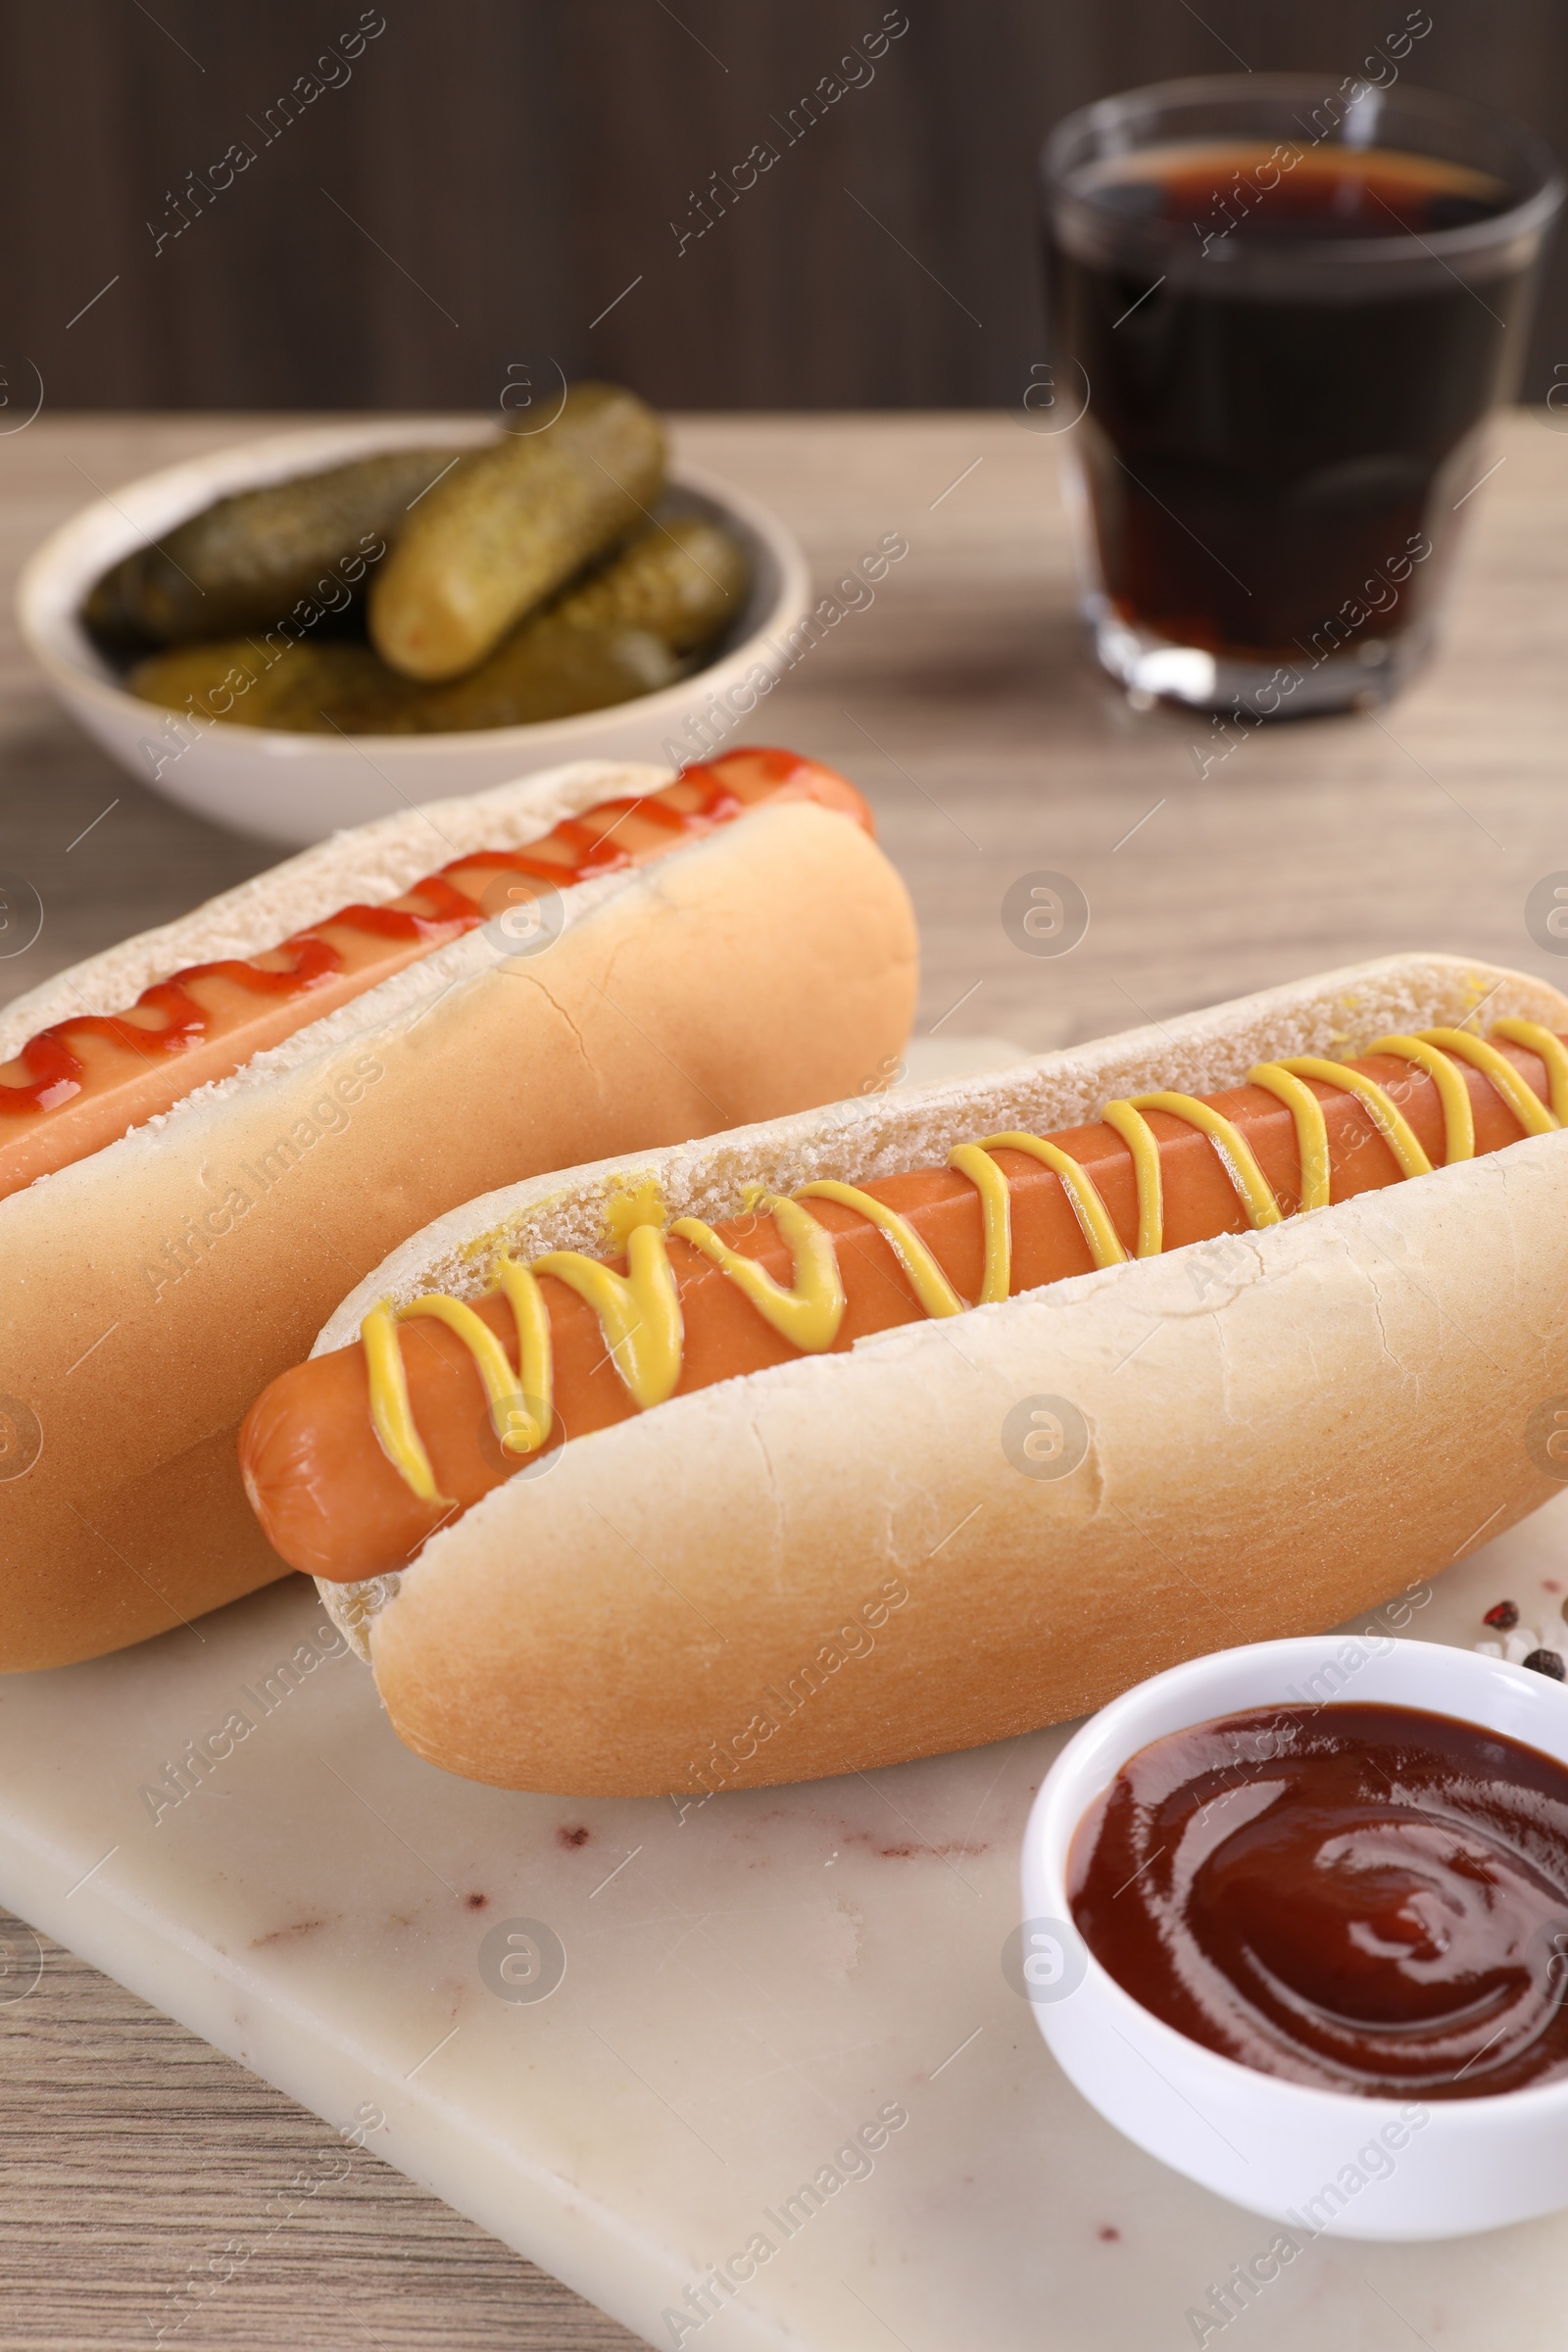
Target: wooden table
column 960, row 700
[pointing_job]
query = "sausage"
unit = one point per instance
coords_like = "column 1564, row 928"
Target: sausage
column 332, row 1502
column 80, row 1084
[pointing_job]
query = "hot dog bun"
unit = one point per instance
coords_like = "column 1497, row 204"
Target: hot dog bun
column 770, row 964
column 834, row 1564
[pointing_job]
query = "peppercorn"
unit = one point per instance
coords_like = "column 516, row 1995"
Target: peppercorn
column 1547, row 1662
column 1505, row 1616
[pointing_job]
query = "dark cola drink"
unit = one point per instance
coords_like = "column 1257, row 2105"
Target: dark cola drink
column 1289, row 343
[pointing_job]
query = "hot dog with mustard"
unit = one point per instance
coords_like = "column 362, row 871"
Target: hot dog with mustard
column 648, row 1389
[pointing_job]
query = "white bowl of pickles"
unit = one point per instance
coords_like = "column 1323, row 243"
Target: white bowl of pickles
column 303, row 632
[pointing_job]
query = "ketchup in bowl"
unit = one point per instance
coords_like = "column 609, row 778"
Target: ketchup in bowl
column 1359, row 1897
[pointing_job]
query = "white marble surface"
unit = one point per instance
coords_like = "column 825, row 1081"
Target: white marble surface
column 747, row 1983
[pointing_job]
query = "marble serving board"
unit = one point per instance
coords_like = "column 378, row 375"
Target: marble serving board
column 626, row 2035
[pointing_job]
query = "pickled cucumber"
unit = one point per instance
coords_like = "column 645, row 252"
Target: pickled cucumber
column 246, row 561
column 682, row 579
column 545, row 670
column 509, row 525
column 249, row 684
column 628, row 628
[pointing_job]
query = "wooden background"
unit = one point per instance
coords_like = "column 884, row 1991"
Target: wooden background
column 486, row 179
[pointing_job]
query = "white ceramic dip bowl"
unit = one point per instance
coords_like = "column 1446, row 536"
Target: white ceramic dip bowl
column 1319, row 2161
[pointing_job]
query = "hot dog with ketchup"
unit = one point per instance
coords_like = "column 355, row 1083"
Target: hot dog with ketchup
column 718, row 1450
column 206, row 1133
column 82, row 1082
